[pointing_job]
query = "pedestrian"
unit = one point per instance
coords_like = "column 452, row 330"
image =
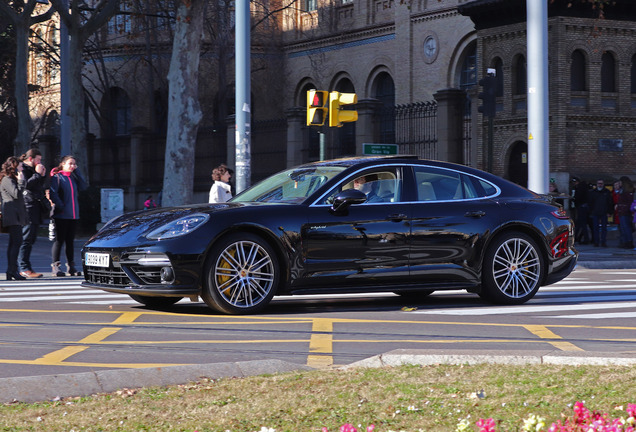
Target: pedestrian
column 601, row 206
column 66, row 182
column 38, row 208
column 221, row 191
column 581, row 208
column 149, row 203
column 624, row 212
column 616, row 192
column 14, row 215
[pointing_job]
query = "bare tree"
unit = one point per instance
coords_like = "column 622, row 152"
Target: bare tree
column 20, row 13
column 81, row 22
column 184, row 112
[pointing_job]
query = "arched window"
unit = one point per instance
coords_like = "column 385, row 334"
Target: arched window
column 608, row 73
column 499, row 77
column 521, row 75
column 118, row 111
column 577, row 72
column 384, row 91
column 468, row 73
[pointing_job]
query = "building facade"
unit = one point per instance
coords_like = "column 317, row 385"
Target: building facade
column 414, row 65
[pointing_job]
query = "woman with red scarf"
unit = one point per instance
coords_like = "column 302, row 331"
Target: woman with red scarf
column 66, row 182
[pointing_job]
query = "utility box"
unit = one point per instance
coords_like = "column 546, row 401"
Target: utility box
column 112, row 203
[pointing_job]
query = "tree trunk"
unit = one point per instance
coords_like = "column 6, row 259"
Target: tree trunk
column 184, row 112
column 75, row 111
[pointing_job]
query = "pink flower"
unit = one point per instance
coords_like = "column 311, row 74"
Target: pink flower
column 631, row 410
column 370, row 428
column 487, row 425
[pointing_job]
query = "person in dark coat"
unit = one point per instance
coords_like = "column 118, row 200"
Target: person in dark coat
column 624, row 212
column 582, row 208
column 14, row 215
column 601, row 206
column 35, row 200
column 66, row 182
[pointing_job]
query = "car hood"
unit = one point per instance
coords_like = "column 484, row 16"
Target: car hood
column 131, row 228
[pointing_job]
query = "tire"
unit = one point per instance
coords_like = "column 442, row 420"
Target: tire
column 155, row 302
column 513, row 269
column 242, row 275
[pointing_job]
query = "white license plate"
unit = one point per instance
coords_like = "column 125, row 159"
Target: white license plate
column 97, row 259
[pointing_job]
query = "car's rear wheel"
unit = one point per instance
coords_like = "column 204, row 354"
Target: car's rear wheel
column 513, row 269
column 155, row 302
column 242, row 274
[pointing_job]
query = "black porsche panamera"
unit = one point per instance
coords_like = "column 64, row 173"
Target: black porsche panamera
column 363, row 225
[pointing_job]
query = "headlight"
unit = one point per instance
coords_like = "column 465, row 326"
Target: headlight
column 179, row 227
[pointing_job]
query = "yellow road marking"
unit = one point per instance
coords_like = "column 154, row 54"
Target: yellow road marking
column 321, row 342
column 127, row 317
column 544, row 333
column 57, row 357
column 278, row 320
column 99, row 335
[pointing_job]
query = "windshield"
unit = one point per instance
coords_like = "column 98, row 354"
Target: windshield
column 293, row 185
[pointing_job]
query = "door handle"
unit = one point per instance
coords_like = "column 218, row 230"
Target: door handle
column 475, row 214
column 397, row 217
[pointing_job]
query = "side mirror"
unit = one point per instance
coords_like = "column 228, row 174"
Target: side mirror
column 346, row 198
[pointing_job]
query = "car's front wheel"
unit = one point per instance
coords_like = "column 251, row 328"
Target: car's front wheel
column 242, row 274
column 155, row 302
column 513, row 269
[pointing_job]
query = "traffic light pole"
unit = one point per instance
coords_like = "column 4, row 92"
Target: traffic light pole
column 321, row 136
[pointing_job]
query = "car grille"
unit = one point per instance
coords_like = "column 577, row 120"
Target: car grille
column 126, row 270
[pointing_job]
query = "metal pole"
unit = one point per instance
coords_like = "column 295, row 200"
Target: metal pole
column 538, row 110
column 65, row 120
column 242, row 54
column 321, row 135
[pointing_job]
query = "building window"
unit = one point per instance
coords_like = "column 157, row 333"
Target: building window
column 385, row 93
column 121, row 21
column 468, row 73
column 499, row 77
column 608, row 73
column 577, row 72
column 119, row 111
column 310, row 5
column 521, row 76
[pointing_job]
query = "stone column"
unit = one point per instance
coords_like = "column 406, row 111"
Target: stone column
column 296, row 123
column 136, row 137
column 367, row 126
column 450, row 124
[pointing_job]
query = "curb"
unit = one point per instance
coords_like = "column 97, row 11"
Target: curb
column 49, row 387
column 53, row 387
column 402, row 357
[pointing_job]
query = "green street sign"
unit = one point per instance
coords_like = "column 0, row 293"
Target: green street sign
column 379, row 149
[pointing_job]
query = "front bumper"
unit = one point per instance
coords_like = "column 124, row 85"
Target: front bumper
column 146, row 273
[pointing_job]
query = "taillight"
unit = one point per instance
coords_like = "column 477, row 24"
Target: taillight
column 559, row 245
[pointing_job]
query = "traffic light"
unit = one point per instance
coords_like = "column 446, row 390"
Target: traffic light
column 488, row 97
column 337, row 115
column 316, row 107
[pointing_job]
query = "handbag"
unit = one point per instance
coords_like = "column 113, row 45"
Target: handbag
column 3, row 229
column 45, row 206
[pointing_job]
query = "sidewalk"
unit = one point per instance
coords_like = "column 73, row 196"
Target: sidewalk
column 611, row 257
column 40, row 256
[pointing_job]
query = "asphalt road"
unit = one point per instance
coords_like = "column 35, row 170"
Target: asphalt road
column 56, row 327
column 58, row 339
